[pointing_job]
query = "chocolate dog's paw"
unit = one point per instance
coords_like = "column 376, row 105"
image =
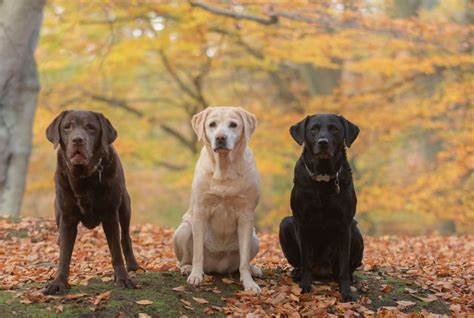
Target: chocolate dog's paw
column 134, row 267
column 125, row 282
column 305, row 288
column 56, row 287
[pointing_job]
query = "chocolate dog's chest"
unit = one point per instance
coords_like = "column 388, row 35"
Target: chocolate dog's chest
column 95, row 206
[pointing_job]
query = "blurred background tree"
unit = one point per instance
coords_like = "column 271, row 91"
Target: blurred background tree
column 400, row 69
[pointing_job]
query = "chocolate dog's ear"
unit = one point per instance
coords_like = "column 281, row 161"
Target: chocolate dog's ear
column 298, row 130
column 351, row 131
column 109, row 134
column 52, row 132
column 198, row 121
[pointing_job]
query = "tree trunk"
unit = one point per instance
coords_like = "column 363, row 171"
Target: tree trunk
column 20, row 22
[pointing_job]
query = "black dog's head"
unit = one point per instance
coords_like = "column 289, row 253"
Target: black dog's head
column 324, row 135
column 81, row 134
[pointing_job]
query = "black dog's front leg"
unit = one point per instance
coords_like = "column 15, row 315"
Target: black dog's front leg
column 304, row 244
column 111, row 229
column 67, row 238
column 343, row 262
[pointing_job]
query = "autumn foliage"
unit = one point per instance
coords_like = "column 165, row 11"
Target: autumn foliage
column 404, row 75
column 432, row 270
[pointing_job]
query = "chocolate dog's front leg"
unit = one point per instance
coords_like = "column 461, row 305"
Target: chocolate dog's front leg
column 304, row 243
column 67, row 237
column 112, row 233
column 343, row 256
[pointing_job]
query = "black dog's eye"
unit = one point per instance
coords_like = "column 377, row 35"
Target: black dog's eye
column 333, row 129
column 232, row 125
column 90, row 127
column 212, row 124
column 67, row 126
column 314, row 128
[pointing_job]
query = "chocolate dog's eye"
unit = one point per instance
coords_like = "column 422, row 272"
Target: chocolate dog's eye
column 212, row 124
column 232, row 125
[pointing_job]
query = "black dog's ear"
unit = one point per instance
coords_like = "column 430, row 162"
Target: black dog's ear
column 52, row 132
column 351, row 131
column 297, row 131
column 109, row 134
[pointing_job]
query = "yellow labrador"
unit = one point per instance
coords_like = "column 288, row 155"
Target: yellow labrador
column 217, row 234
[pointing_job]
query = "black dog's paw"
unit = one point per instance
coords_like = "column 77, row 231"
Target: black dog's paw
column 134, row 268
column 56, row 287
column 125, row 282
column 306, row 288
column 347, row 297
column 296, row 274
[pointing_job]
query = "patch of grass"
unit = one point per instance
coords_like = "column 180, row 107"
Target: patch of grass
column 156, row 287
column 16, row 233
column 379, row 298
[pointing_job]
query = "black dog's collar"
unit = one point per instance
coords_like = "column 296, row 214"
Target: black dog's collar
column 323, row 177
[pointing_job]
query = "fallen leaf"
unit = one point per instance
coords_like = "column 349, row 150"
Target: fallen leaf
column 227, row 281
column 178, row 289
column 406, row 303
column 102, row 297
column 200, row 300
column 144, row 302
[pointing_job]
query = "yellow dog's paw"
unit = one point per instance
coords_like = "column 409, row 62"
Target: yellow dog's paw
column 195, row 279
column 252, row 286
column 255, row 271
column 186, row 269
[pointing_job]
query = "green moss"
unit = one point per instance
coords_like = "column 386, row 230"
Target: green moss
column 375, row 280
column 157, row 287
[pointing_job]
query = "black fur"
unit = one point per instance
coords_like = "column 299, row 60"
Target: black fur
column 321, row 239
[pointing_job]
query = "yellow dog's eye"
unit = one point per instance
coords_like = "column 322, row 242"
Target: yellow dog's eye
column 212, row 124
column 232, row 125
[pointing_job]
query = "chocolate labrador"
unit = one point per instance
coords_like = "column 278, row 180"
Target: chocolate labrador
column 90, row 188
column 321, row 239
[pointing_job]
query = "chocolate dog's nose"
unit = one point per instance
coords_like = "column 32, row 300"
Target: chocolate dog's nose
column 78, row 140
column 323, row 142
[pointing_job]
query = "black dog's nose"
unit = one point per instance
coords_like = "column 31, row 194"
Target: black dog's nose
column 78, row 140
column 323, row 142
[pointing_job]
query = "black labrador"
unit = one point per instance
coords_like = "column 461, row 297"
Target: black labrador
column 321, row 239
column 90, row 188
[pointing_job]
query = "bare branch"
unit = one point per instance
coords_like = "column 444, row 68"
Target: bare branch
column 120, row 103
column 272, row 19
column 180, row 137
column 176, row 77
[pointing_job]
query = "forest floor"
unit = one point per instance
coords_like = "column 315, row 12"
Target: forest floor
column 413, row 276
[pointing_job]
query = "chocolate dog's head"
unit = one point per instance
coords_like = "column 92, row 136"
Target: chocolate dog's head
column 324, row 135
column 81, row 135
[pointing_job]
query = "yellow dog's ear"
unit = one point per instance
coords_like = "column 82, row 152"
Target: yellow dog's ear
column 249, row 121
column 198, row 121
